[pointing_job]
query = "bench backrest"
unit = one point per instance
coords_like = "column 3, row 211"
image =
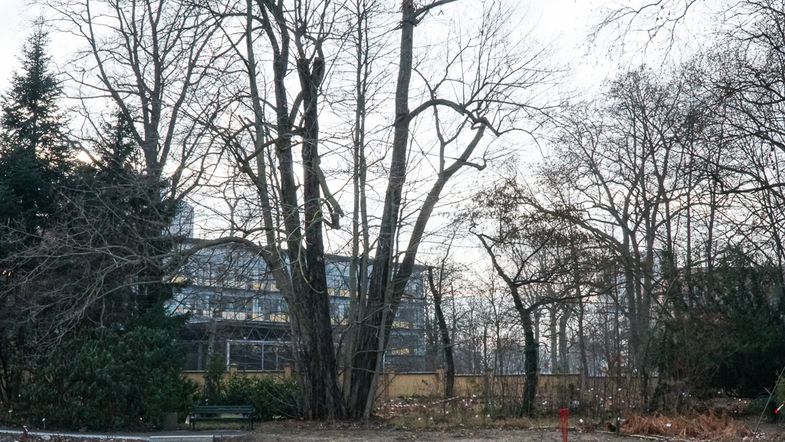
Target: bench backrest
column 215, row 409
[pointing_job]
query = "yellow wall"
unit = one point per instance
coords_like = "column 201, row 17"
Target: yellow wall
column 198, row 376
column 429, row 384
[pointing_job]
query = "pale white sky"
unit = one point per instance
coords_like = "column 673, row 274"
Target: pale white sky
column 563, row 22
column 14, row 22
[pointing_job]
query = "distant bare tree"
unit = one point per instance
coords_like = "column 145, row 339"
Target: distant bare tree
column 523, row 246
column 440, row 282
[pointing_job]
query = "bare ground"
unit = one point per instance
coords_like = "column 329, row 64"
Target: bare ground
column 291, row 430
column 288, row 431
column 305, row 431
column 380, row 431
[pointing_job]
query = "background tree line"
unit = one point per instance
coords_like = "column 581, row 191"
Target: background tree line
column 651, row 230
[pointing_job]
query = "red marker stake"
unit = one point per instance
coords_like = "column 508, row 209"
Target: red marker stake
column 564, row 415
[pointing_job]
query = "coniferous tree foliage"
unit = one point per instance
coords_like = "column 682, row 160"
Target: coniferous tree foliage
column 112, row 221
column 750, row 299
column 84, row 254
column 34, row 157
column 105, row 354
column 727, row 336
column 99, row 347
column 34, row 161
column 109, row 378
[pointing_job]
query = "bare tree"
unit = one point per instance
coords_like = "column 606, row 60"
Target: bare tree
column 261, row 126
column 149, row 59
column 488, row 102
column 624, row 192
column 439, row 284
column 523, row 248
column 369, row 45
column 291, row 229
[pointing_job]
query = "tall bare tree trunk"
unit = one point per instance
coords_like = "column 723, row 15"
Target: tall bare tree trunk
column 371, row 331
column 302, row 276
column 564, row 361
column 327, row 400
column 444, row 332
column 358, row 267
column 582, row 344
column 554, row 342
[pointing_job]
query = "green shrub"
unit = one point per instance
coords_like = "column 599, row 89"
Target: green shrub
column 213, row 379
column 758, row 404
column 271, row 397
column 105, row 379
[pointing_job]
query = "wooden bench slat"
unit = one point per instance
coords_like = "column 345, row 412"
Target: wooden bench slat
column 222, row 412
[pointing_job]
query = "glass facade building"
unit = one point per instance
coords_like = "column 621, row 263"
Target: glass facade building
column 237, row 314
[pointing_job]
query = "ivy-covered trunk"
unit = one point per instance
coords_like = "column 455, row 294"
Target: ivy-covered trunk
column 530, row 364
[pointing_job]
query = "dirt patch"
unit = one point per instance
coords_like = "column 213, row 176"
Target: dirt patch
column 497, row 430
column 304, row 431
column 354, row 432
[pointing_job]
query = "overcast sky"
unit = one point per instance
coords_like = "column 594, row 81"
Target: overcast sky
column 13, row 25
column 563, row 22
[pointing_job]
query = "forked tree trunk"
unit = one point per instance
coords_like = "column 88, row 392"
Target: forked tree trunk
column 387, row 281
column 326, row 399
column 301, row 277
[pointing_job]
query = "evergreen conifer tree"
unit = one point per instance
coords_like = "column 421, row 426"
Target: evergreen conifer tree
column 34, row 163
column 34, row 157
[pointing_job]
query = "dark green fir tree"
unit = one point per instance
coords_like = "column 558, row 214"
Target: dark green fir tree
column 34, row 164
column 34, row 157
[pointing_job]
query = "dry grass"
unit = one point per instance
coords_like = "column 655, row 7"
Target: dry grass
column 421, row 414
column 708, row 426
column 437, row 415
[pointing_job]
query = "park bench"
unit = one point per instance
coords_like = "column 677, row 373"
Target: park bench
column 222, row 412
